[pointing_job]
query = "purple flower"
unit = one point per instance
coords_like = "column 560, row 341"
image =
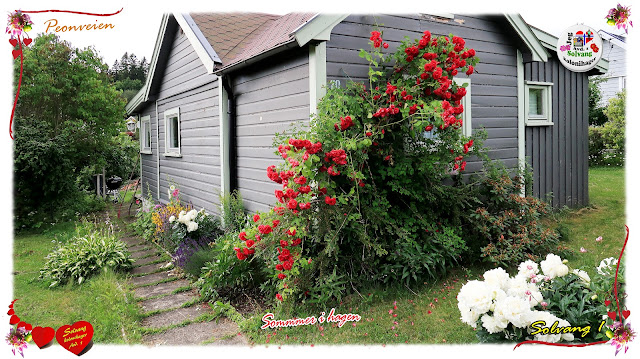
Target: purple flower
column 17, row 340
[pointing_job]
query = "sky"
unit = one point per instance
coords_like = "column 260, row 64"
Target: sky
column 136, row 29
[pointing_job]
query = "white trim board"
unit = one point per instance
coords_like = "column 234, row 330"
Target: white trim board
column 200, row 44
column 317, row 74
column 521, row 114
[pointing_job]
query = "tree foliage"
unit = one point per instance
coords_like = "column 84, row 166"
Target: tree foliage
column 129, row 74
column 67, row 123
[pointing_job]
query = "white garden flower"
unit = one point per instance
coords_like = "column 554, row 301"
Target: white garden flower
column 497, row 278
column 172, row 219
column 553, row 266
column 528, row 269
column 492, row 324
column 477, row 296
column 584, row 276
column 468, row 315
column 192, row 214
column 607, row 266
column 192, row 226
column 515, row 310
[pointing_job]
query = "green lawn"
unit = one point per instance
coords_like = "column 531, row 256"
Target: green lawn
column 429, row 314
column 103, row 300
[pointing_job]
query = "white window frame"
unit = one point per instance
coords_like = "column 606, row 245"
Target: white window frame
column 145, row 127
column 546, row 118
column 170, row 151
column 467, row 128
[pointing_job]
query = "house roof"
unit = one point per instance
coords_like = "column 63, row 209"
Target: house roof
column 615, row 36
column 226, row 41
column 238, row 37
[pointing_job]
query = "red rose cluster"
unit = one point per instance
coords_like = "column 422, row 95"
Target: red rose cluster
column 376, row 38
column 345, row 122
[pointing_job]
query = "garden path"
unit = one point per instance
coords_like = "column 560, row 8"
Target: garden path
column 173, row 313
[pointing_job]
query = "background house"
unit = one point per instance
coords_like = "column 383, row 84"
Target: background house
column 614, row 50
column 221, row 85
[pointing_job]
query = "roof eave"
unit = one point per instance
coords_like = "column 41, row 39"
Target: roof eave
column 525, row 32
column 318, row 28
column 268, row 53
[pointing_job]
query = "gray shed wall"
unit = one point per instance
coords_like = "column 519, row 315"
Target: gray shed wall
column 187, row 85
column 615, row 78
column 558, row 154
column 269, row 98
column 494, row 101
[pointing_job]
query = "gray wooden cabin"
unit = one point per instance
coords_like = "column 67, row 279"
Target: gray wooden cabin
column 221, row 85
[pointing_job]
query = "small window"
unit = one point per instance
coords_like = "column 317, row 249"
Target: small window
column 172, row 131
column 145, row 135
column 467, row 129
column 538, row 103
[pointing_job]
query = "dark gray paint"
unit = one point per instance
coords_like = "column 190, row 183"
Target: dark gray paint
column 494, row 101
column 558, row 154
column 269, row 97
column 186, row 84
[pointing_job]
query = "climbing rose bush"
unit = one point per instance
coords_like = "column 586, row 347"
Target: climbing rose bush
column 362, row 193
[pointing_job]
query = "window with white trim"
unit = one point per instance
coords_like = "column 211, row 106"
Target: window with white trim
column 145, row 135
column 467, row 129
column 538, row 103
column 172, row 131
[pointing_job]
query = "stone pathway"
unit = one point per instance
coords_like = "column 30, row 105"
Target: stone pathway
column 172, row 305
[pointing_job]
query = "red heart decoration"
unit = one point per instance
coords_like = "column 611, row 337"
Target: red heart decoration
column 75, row 337
column 612, row 315
column 11, row 312
column 626, row 313
column 607, row 302
column 13, row 42
column 16, row 53
column 28, row 327
column 27, row 42
column 14, row 319
column 42, row 336
column 21, row 324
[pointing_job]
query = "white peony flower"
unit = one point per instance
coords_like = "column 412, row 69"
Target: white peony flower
column 553, row 266
column 493, row 324
column 496, row 278
column 192, row 226
column 477, row 296
column 528, row 269
column 468, row 315
column 192, row 214
column 584, row 276
column 172, row 219
column 607, row 266
column 513, row 309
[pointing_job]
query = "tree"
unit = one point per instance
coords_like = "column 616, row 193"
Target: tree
column 596, row 110
column 129, row 74
column 67, row 117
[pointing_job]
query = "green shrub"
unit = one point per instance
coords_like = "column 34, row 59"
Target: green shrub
column 607, row 142
column 224, row 275
column 198, row 259
column 234, row 216
column 508, row 225
column 597, row 116
column 94, row 250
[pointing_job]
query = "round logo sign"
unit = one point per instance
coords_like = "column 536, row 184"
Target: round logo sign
column 579, row 48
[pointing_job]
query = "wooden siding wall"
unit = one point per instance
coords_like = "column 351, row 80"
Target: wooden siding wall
column 149, row 182
column 494, row 100
column 187, row 85
column 269, row 98
column 558, row 154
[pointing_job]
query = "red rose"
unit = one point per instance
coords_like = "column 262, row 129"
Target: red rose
column 369, row 134
column 292, row 204
column 385, row 45
column 256, row 218
column 428, row 128
column 329, row 200
column 287, row 265
column 300, row 180
column 243, row 236
column 470, row 71
column 305, row 189
column 279, row 267
column 250, row 243
column 264, row 229
column 296, row 242
column 323, row 190
column 463, row 166
column 291, row 233
column 279, row 297
column 282, row 276
column 276, row 222
column 283, row 243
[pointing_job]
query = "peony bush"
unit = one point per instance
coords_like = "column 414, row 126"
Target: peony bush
column 503, row 307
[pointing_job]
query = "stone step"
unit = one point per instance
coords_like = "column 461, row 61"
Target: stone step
column 140, row 254
column 174, row 317
column 159, row 289
column 149, row 278
column 147, row 260
column 169, row 302
column 131, row 241
column 148, row 269
column 196, row 333
column 140, row 247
